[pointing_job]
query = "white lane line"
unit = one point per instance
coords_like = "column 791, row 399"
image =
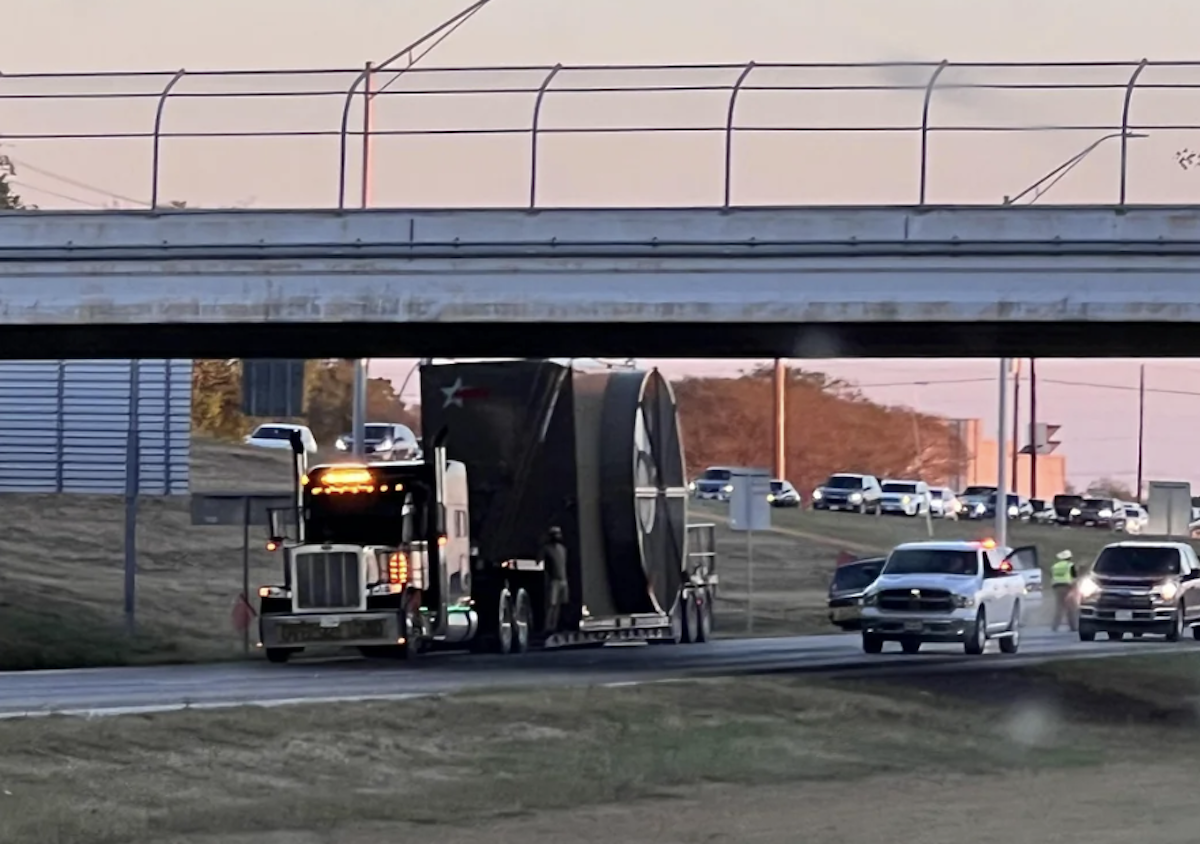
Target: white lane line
column 152, row 709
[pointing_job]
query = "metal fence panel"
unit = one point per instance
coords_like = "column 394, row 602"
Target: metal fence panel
column 64, row 425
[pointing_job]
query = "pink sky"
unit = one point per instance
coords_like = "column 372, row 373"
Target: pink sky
column 1099, row 422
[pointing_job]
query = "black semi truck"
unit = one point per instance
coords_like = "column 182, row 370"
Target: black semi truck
column 400, row 557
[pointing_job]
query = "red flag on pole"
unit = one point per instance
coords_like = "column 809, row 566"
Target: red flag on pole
column 243, row 614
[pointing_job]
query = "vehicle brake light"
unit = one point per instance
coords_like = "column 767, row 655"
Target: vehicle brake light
column 398, row 568
column 1006, row 566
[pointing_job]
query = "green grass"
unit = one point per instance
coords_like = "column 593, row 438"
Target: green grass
column 475, row 757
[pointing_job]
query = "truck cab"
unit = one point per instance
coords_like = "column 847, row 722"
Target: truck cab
column 950, row 592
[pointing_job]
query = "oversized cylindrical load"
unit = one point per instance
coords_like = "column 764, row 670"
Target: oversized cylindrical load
column 596, row 453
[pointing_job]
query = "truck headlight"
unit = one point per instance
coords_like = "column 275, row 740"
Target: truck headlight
column 1167, row 590
column 870, row 599
column 340, row 445
column 855, row 498
column 691, row 486
column 1105, row 513
column 771, row 497
column 962, row 602
column 817, row 495
column 727, row 488
column 905, row 500
column 1013, row 511
column 981, row 509
column 1075, row 511
column 1088, row 587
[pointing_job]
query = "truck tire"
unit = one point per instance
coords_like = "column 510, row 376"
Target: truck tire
column 704, row 631
column 910, row 646
column 691, row 617
column 1012, row 642
column 504, row 623
column 1176, row 631
column 977, row 636
column 872, row 644
column 281, row 655
column 522, row 621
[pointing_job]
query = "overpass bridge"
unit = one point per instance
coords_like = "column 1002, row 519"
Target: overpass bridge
column 737, row 282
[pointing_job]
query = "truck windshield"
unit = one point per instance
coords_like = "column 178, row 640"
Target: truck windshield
column 900, row 487
column 979, row 490
column 716, row 475
column 932, row 561
column 1134, row 561
column 844, row 482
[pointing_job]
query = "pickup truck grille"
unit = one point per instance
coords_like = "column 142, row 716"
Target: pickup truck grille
column 328, row 580
column 902, row 600
column 1124, row 602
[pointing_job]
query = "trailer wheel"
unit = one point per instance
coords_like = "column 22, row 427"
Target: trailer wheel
column 704, row 632
column 691, row 617
column 522, row 622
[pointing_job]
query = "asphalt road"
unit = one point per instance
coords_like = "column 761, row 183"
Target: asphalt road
column 107, row 691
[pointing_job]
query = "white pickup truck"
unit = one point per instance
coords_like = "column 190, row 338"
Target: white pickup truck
column 965, row 592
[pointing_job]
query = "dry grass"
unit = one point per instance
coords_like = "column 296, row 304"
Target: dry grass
column 794, row 562
column 459, row 762
column 62, row 582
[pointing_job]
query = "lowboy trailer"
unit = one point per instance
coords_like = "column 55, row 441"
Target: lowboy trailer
column 400, row 557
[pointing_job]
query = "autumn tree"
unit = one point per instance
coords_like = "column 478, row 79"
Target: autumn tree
column 1110, row 488
column 9, row 199
column 329, row 393
column 830, row 428
column 217, row 399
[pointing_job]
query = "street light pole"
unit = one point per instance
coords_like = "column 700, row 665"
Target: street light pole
column 1002, row 467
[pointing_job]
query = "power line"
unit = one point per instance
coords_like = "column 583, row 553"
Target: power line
column 67, row 180
column 68, row 197
column 1120, row 387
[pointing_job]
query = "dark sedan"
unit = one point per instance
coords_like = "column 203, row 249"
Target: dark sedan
column 850, row 581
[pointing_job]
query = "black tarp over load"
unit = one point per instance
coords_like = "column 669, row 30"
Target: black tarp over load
column 597, row 453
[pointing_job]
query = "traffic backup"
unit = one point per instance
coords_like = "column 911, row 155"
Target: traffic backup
column 445, row 551
column 960, row 592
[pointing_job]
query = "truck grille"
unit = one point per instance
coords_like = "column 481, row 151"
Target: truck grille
column 328, row 580
column 1124, row 602
column 902, row 600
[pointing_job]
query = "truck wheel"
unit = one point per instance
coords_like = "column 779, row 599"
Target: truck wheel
column 1012, row 642
column 691, row 617
column 1196, row 633
column 872, row 644
column 522, row 622
column 1176, row 631
column 704, row 633
column 280, row 655
column 977, row 636
column 910, row 646
column 1115, row 635
column 504, row 626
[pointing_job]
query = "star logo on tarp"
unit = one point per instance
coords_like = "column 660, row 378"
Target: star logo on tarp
column 458, row 391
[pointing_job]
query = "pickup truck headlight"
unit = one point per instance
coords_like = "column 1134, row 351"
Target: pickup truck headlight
column 870, row 599
column 340, row 445
column 1088, row 588
column 817, row 495
column 1075, row 511
column 855, row 498
column 905, row 500
column 1105, row 513
column 963, row 601
column 1167, row 590
column 1013, row 511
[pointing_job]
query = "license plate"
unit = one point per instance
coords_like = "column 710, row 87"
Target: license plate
column 913, row 627
column 1124, row 615
column 329, row 623
column 843, row 613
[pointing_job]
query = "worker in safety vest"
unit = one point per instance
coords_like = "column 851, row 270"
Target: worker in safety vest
column 1062, row 578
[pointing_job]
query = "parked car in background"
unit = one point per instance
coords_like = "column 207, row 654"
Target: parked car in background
column 904, row 498
column 1136, row 519
column 850, row 581
column 783, row 494
column 943, row 503
column 279, row 435
column 1019, row 509
column 1043, row 511
column 1067, row 509
column 1100, row 512
column 384, row 441
column 975, row 500
column 847, row 491
column 714, row 484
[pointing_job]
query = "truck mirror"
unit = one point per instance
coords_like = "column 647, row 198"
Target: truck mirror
column 406, row 520
column 277, row 525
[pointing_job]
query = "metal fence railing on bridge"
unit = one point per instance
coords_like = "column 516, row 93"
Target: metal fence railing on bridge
column 602, row 135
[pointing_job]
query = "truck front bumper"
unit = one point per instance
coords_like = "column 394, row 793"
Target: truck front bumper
column 298, row 630
column 1155, row 620
column 953, row 626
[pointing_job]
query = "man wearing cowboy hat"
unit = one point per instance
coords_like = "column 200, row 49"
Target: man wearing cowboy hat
column 1062, row 577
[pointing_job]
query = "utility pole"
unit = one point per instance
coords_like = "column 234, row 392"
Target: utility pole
column 1002, row 467
column 1141, row 428
column 780, row 385
column 1016, row 434
column 358, row 403
column 1033, row 446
